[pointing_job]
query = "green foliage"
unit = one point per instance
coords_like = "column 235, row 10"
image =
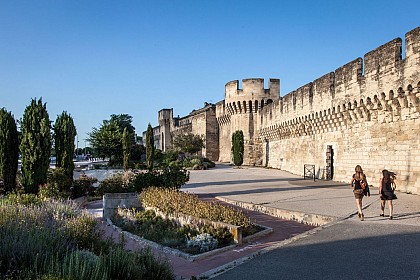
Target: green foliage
column 49, row 241
column 126, row 148
column 150, row 147
column 167, row 231
column 64, row 134
column 20, row 199
column 58, row 184
column 238, row 147
column 152, row 227
column 84, row 228
column 107, row 140
column 35, row 146
column 120, row 182
column 137, row 151
column 209, row 163
column 83, row 186
column 9, row 151
column 171, row 177
column 188, row 143
column 129, row 181
column 172, row 201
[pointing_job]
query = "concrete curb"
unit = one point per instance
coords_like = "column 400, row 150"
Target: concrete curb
column 304, row 218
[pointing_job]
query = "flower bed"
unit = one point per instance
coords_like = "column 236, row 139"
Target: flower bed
column 168, row 232
column 172, row 202
column 167, row 223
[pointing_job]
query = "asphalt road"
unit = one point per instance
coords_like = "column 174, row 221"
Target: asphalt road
column 346, row 250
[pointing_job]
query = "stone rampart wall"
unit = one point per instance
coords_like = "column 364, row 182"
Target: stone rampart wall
column 369, row 118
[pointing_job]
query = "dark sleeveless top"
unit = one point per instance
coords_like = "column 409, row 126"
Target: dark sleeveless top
column 387, row 192
column 386, row 186
column 356, row 183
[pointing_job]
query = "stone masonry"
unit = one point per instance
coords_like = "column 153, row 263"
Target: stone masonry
column 366, row 112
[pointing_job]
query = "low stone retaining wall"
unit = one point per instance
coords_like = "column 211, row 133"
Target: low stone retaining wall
column 308, row 219
column 169, row 250
column 112, row 201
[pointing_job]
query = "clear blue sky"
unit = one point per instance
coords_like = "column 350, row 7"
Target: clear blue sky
column 97, row 58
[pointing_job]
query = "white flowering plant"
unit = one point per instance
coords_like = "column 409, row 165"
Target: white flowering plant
column 203, row 242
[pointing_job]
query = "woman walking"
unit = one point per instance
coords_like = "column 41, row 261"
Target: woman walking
column 359, row 183
column 386, row 191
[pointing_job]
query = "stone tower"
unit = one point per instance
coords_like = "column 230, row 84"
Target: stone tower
column 165, row 117
column 239, row 111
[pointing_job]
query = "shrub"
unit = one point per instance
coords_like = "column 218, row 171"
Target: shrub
column 152, row 227
column 85, row 230
column 58, row 184
column 171, row 177
column 30, row 233
column 172, row 201
column 20, row 199
column 168, row 232
column 40, row 242
column 117, row 183
column 238, row 147
column 210, row 164
column 83, row 186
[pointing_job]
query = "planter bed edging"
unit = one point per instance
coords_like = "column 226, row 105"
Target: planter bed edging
column 169, row 250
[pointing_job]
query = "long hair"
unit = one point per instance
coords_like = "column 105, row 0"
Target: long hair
column 359, row 173
column 388, row 176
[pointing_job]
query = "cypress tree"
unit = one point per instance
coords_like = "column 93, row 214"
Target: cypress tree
column 238, row 147
column 35, row 146
column 126, row 143
column 9, row 150
column 64, row 134
column 150, row 147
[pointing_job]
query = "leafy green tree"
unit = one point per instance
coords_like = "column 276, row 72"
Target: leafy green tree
column 238, row 147
column 126, row 142
column 9, row 150
column 189, row 143
column 137, row 151
column 150, row 147
column 64, row 134
column 35, row 146
column 107, row 140
column 124, row 121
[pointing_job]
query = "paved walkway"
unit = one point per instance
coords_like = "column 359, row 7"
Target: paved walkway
column 298, row 251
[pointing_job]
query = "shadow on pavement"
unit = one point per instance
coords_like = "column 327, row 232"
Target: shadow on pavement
column 374, row 257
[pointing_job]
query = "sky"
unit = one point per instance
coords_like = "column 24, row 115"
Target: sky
column 97, row 58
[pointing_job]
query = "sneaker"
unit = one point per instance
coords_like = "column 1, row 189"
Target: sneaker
column 390, row 217
column 362, row 217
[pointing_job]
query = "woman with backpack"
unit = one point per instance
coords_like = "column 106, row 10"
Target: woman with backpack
column 359, row 184
column 386, row 191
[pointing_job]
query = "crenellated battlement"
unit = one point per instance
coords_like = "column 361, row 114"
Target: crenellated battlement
column 252, row 97
column 381, row 72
